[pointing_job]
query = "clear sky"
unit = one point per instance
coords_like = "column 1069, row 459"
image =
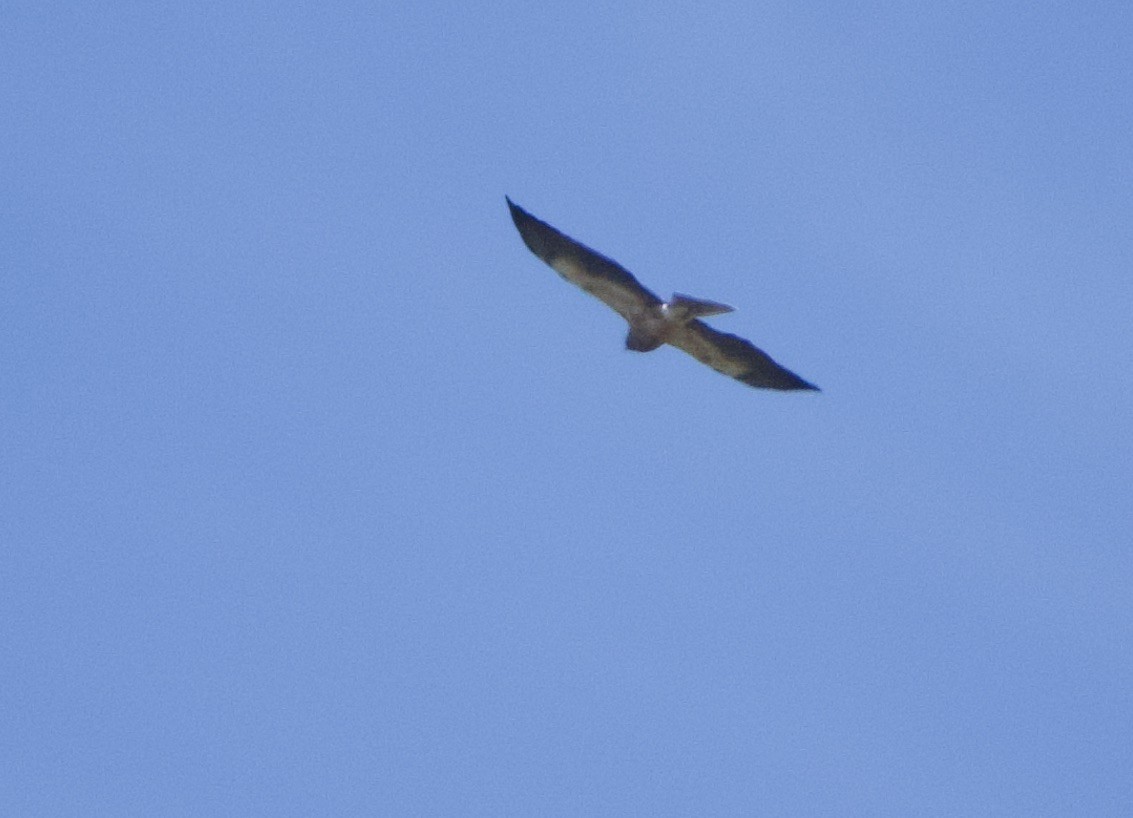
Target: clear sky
column 319, row 494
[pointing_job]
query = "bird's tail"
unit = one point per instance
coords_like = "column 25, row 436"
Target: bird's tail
column 697, row 307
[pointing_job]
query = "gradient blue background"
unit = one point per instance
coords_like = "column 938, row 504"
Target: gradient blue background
column 321, row 495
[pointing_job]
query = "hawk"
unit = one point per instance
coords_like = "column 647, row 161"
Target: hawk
column 653, row 322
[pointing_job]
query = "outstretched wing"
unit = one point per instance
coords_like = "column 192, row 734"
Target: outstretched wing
column 593, row 272
column 734, row 356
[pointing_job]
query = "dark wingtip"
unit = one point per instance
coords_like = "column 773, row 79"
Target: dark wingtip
column 805, row 386
column 788, row 380
column 783, row 380
column 518, row 214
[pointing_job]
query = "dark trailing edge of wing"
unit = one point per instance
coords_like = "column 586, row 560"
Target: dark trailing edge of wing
column 549, row 244
column 746, row 362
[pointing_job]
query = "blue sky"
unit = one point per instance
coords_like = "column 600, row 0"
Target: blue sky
column 321, row 495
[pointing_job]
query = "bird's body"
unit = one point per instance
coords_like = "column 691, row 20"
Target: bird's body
column 653, row 322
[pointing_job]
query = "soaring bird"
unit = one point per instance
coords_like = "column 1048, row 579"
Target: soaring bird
column 653, row 322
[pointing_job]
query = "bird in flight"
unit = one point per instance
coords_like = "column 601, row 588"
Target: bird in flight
column 653, row 322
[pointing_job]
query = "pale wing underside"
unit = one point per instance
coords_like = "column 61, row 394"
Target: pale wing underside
column 601, row 277
column 734, row 356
